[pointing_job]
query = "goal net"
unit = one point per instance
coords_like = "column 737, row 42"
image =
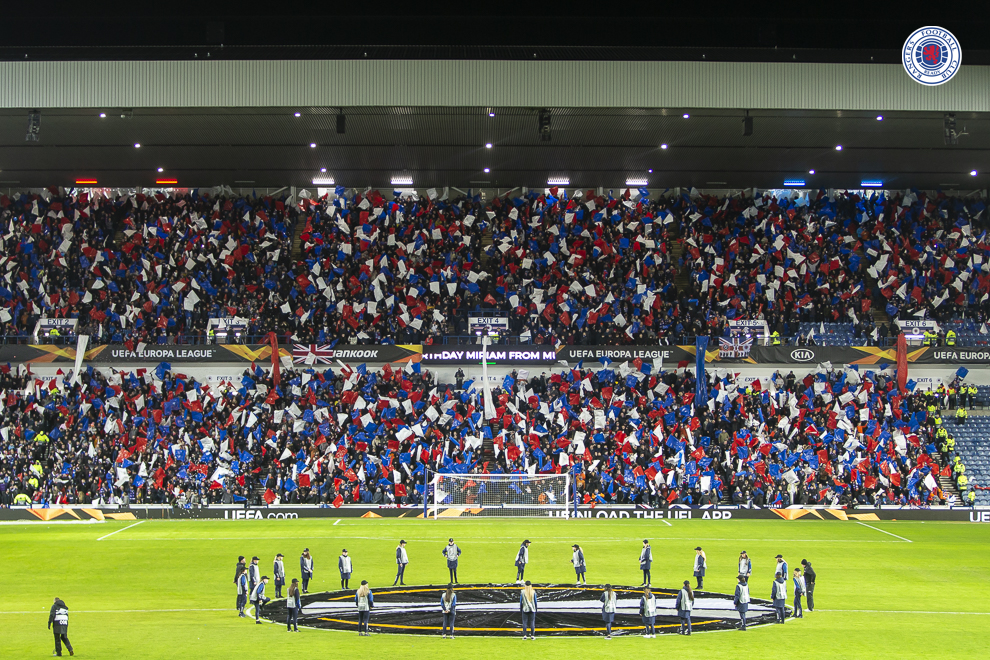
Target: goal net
column 453, row 495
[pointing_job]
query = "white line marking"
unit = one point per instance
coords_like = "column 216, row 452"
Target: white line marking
column 120, row 530
column 884, row 532
column 905, row 612
column 665, row 523
column 686, row 539
column 194, row 609
column 336, row 523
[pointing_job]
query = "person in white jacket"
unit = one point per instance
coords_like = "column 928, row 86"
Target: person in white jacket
column 648, row 610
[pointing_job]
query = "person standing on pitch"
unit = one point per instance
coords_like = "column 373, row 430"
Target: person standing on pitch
column 745, row 565
column 346, row 567
column 59, row 617
column 648, row 610
column 365, row 601
column 254, row 574
column 243, row 591
column 799, row 589
column 577, row 558
column 278, row 570
column 448, row 605
column 608, row 609
column 809, row 583
column 306, row 569
column 684, row 605
column 781, row 568
column 522, row 558
column 741, row 601
column 451, row 552
column 241, row 567
column 778, row 593
column 700, row 564
column 528, row 608
column 292, row 606
column 645, row 563
column 401, row 561
column 259, row 599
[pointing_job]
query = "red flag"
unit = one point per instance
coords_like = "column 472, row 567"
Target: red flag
column 338, row 501
column 269, row 496
column 276, row 375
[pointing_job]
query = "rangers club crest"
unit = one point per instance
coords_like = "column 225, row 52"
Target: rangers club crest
column 931, row 55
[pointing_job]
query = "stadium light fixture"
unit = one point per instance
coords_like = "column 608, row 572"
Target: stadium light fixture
column 811, row 171
column 402, row 181
column 793, row 183
column 488, row 145
column 650, row 171
column 487, row 170
column 973, row 172
column 637, row 182
column 312, row 145
column 323, row 169
column 663, row 146
column 838, row 147
column 491, row 114
column 297, row 114
column 323, row 180
column 558, row 181
column 103, row 115
column 85, row 182
column 879, row 117
column 686, row 115
column 166, row 182
column 871, row 183
column 137, row 145
column 161, row 169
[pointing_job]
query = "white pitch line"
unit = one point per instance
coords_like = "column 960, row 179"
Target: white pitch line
column 905, row 612
column 337, row 523
column 120, row 530
column 514, row 539
column 193, row 609
column 665, row 523
column 884, row 532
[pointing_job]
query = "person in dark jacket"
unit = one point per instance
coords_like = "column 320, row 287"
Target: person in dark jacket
column 527, row 610
column 580, row 568
column 448, row 605
column 522, row 558
column 292, row 606
column 401, row 561
column 684, row 605
column 809, row 584
column 741, row 601
column 241, row 566
column 306, row 569
column 608, row 600
column 645, row 564
column 700, row 566
column 59, row 617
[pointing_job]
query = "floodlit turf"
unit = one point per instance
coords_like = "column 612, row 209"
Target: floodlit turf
column 164, row 589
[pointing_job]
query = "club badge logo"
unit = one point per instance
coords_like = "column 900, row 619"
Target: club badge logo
column 931, row 55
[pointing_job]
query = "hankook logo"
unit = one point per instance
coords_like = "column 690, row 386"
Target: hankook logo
column 802, row 355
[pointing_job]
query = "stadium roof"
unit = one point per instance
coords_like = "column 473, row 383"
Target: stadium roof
column 265, row 147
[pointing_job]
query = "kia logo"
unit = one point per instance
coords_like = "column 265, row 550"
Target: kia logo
column 802, row 355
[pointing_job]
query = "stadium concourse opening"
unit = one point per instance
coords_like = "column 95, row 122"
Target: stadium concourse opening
column 492, row 610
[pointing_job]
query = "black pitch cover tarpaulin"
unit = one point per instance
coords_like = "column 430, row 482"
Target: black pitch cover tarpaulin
column 493, row 610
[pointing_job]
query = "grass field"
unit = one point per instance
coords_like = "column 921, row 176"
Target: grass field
column 163, row 589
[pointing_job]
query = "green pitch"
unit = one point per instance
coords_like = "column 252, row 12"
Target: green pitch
column 164, row 589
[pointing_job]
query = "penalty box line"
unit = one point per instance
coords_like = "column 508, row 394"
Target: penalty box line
column 877, row 529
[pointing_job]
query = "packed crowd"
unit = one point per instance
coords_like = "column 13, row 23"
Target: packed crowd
column 396, row 267
column 352, row 435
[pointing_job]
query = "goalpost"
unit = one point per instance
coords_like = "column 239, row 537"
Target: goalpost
column 505, row 495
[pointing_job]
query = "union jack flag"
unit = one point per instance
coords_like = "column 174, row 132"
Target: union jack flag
column 734, row 347
column 312, row 353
